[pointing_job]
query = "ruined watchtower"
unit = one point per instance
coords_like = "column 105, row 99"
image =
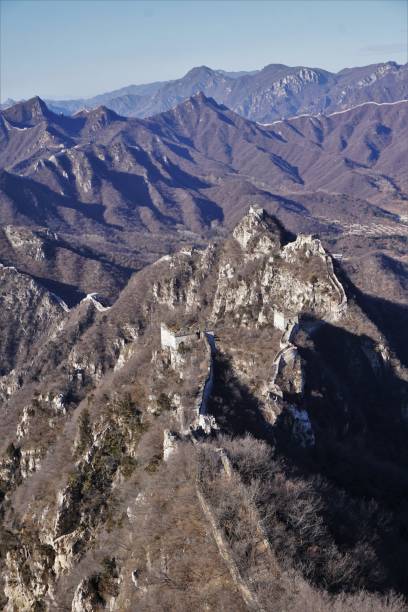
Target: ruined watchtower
column 173, row 338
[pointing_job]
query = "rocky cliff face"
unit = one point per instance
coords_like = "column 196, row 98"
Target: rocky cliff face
column 112, row 474
column 28, row 313
column 253, row 274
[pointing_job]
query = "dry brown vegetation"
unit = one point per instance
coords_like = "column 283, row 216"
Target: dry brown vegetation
column 177, row 556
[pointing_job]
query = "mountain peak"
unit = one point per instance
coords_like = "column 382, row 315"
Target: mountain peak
column 198, row 71
column 200, row 101
column 28, row 113
column 104, row 111
column 259, row 231
column 257, row 211
column 36, row 104
column 100, row 116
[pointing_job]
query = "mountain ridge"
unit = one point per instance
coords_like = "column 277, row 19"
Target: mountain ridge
column 193, row 168
column 273, row 92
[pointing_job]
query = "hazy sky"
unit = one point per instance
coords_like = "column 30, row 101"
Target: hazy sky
column 74, row 48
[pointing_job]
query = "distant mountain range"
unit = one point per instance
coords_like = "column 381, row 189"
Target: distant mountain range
column 275, row 92
column 199, row 147
column 122, row 190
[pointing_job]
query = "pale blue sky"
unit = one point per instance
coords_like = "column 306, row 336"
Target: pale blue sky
column 74, row 48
